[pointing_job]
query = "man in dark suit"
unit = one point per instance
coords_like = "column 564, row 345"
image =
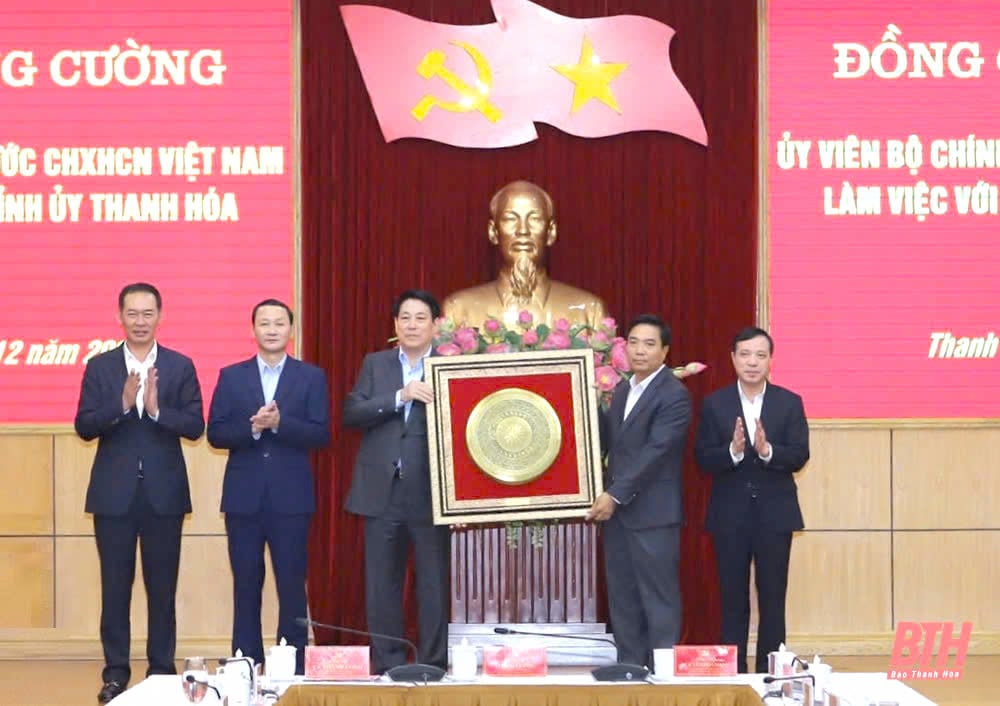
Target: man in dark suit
column 269, row 412
column 138, row 400
column 752, row 437
column 644, row 433
column 391, row 487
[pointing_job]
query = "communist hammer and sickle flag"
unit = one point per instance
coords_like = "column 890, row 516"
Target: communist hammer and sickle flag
column 487, row 85
column 472, row 97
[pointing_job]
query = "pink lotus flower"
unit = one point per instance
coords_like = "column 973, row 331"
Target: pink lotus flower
column 562, row 325
column 601, row 338
column 556, row 340
column 449, row 349
column 525, row 318
column 498, row 348
column 530, row 338
column 467, row 339
column 609, row 324
column 492, row 325
column 692, row 368
column 607, row 378
column 619, row 357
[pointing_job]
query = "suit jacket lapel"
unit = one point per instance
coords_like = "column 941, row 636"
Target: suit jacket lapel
column 392, row 375
column 423, row 378
column 738, row 401
column 122, row 365
column 286, row 379
column 736, row 406
column 253, row 373
column 618, row 400
column 645, row 397
column 767, row 410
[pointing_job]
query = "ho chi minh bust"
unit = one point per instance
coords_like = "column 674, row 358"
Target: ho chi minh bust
column 522, row 225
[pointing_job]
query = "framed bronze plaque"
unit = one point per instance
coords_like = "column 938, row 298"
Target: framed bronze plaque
column 513, row 436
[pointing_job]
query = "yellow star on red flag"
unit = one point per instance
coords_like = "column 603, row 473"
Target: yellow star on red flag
column 592, row 78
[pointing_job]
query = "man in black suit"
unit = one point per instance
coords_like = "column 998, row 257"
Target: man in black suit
column 138, row 400
column 269, row 412
column 752, row 437
column 644, row 433
column 391, row 487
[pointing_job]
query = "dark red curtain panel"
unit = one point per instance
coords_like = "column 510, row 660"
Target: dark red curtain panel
column 650, row 221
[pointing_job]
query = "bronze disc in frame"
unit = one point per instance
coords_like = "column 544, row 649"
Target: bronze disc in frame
column 513, row 435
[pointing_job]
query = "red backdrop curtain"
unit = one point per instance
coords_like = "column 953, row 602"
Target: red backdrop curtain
column 649, row 221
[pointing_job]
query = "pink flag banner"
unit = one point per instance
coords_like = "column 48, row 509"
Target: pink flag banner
column 486, row 86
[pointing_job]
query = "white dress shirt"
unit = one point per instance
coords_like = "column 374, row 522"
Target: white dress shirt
column 133, row 364
column 410, row 373
column 636, row 389
column 752, row 409
column 269, row 376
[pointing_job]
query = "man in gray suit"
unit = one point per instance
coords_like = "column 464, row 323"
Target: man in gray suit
column 391, row 487
column 643, row 434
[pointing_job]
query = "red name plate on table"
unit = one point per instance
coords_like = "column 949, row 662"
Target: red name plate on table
column 338, row 663
column 507, row 661
column 704, row 660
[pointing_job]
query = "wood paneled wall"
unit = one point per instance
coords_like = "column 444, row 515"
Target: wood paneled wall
column 902, row 524
column 51, row 580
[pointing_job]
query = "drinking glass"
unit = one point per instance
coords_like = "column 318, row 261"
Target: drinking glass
column 194, row 678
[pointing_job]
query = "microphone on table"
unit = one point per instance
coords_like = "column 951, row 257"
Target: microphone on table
column 512, row 631
column 769, row 679
column 415, row 672
column 620, row 671
column 192, row 679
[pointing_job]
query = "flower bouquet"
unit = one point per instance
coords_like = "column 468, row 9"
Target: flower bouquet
column 610, row 358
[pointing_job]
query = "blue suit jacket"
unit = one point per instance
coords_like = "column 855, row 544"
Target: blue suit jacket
column 274, row 471
column 126, row 441
column 770, row 485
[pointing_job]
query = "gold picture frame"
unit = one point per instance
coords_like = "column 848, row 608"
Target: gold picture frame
column 470, row 485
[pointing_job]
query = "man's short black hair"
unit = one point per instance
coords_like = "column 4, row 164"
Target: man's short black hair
column 750, row 332
column 652, row 320
column 139, row 288
column 272, row 302
column 420, row 295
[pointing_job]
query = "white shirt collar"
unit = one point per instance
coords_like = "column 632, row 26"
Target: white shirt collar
column 633, row 383
column 130, row 358
column 743, row 395
column 276, row 368
column 404, row 359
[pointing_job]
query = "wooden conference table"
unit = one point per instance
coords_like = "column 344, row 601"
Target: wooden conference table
column 547, row 692
column 554, row 690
